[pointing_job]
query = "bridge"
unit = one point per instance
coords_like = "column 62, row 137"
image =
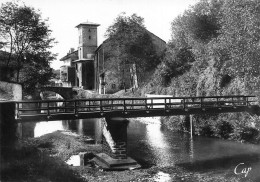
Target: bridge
column 50, row 110
column 113, row 112
column 65, row 92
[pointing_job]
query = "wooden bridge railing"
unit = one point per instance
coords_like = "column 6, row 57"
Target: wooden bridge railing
column 104, row 105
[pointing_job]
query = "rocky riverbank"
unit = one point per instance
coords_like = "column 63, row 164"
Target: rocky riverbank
column 44, row 159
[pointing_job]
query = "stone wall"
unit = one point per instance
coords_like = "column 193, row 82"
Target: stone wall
column 13, row 89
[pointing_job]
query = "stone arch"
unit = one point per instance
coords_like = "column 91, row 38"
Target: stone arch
column 65, row 92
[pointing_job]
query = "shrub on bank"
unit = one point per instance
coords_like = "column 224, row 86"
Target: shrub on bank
column 224, row 129
column 250, row 134
column 207, row 130
column 233, row 126
column 174, row 123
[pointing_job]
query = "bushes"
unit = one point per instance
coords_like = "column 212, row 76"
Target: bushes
column 212, row 127
column 224, row 129
column 225, row 126
column 173, row 123
column 207, row 131
column 250, row 134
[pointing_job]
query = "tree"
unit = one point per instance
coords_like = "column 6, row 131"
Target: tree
column 130, row 43
column 176, row 62
column 37, row 72
column 27, row 38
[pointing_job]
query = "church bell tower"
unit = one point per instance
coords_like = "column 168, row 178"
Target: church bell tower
column 85, row 77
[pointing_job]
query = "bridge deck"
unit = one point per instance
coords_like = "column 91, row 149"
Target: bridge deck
column 129, row 107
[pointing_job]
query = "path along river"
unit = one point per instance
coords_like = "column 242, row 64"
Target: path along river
column 150, row 144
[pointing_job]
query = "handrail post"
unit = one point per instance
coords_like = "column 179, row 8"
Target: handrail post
column 201, row 102
column 101, row 107
column 124, row 106
column 56, row 106
column 184, row 105
column 165, row 104
column 48, row 108
column 75, row 107
column 17, row 112
column 65, row 105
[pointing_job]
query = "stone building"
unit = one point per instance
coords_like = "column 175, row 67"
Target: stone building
column 78, row 68
column 108, row 81
column 67, row 71
column 87, row 67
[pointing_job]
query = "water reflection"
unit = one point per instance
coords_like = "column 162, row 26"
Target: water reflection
column 74, row 160
column 152, row 144
column 43, row 128
column 158, row 143
column 191, row 151
column 162, row 177
column 88, row 127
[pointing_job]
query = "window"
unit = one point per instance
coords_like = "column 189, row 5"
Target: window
column 89, row 37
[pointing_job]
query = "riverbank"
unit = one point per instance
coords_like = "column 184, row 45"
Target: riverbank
column 44, row 159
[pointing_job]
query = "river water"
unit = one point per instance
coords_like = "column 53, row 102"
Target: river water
column 150, row 143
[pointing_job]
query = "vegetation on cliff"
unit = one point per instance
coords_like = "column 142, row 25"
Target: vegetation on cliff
column 214, row 50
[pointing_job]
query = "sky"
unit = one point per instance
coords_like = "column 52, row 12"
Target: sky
column 64, row 15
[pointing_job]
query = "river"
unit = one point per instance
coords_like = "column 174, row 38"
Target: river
column 151, row 144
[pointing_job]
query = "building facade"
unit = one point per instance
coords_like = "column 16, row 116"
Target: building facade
column 67, row 71
column 88, row 68
column 127, row 76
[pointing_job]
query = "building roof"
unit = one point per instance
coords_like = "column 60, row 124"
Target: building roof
column 87, row 23
column 101, row 45
column 69, row 55
column 150, row 33
column 82, row 60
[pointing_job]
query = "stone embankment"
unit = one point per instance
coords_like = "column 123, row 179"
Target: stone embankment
column 10, row 91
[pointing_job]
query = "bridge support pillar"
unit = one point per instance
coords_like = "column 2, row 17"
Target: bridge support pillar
column 191, row 125
column 114, row 145
column 115, row 137
column 8, row 126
